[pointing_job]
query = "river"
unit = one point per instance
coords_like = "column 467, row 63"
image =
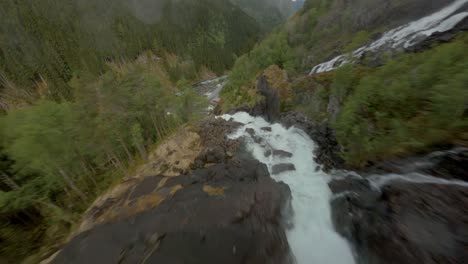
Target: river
column 312, row 237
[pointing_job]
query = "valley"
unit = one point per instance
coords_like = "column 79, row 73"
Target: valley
column 234, row 132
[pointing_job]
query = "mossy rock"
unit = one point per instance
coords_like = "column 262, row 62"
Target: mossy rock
column 278, row 80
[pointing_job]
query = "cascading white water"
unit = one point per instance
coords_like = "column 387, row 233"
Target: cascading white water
column 404, row 36
column 381, row 180
column 312, row 238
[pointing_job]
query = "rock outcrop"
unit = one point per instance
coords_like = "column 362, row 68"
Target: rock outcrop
column 216, row 147
column 226, row 210
column 404, row 221
column 275, row 93
column 282, row 167
column 451, row 165
column 328, row 149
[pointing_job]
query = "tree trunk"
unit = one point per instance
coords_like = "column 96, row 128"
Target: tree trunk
column 8, row 181
column 155, row 124
column 142, row 151
column 116, row 162
column 127, row 151
column 72, row 185
column 88, row 173
column 59, row 212
column 164, row 126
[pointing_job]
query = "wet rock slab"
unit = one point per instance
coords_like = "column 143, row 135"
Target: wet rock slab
column 403, row 222
column 282, row 167
column 282, row 153
column 451, row 164
column 278, row 153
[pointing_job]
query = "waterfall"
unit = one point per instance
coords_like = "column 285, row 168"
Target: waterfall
column 378, row 181
column 312, row 237
column 404, row 36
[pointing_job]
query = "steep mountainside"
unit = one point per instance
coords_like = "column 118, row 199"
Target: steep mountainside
column 381, row 88
column 51, row 41
column 378, row 106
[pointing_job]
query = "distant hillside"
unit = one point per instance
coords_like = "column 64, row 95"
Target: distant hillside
column 389, row 77
column 50, row 41
column 269, row 13
column 86, row 89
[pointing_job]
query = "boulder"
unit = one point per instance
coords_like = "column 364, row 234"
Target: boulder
column 250, row 131
column 282, row 153
column 282, row 167
column 258, row 140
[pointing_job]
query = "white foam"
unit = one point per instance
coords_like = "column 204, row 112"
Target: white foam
column 312, row 239
column 378, row 181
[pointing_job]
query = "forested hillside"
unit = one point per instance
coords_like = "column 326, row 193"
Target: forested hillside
column 86, row 89
column 58, row 156
column 390, row 102
column 45, row 44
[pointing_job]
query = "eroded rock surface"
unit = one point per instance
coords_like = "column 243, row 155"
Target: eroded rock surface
column 281, row 153
column 406, row 223
column 229, row 211
column 328, row 150
column 403, row 221
column 172, row 158
column 282, row 167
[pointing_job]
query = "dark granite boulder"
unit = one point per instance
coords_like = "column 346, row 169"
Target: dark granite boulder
column 282, row 167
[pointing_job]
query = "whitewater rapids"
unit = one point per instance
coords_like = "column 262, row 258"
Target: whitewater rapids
column 312, row 238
